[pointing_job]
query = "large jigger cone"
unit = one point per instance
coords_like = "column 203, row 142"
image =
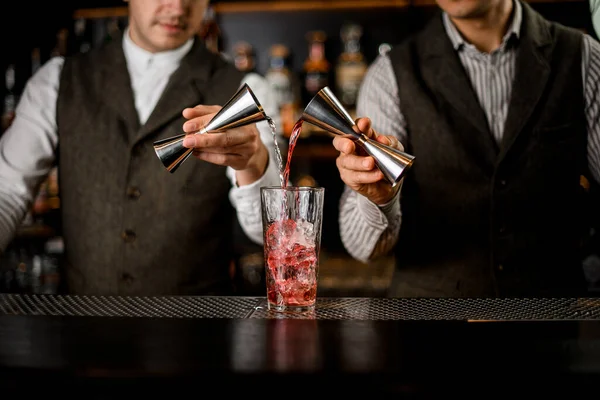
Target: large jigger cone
column 326, row 112
column 242, row 109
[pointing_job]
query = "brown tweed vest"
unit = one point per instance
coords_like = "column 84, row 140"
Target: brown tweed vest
column 130, row 227
column 487, row 220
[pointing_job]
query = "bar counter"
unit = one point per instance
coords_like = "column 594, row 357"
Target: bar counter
column 77, row 345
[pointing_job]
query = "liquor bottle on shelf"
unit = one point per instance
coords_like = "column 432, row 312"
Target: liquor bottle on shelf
column 286, row 88
column 82, row 42
column 47, row 198
column 15, row 269
column 316, row 71
column 210, row 31
column 52, row 189
column 32, row 266
column 50, row 260
column 10, row 98
column 316, row 67
column 351, row 66
column 36, row 61
column 243, row 57
column 112, row 29
column 60, row 49
column 40, row 204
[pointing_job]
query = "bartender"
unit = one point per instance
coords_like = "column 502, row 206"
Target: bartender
column 501, row 108
column 129, row 226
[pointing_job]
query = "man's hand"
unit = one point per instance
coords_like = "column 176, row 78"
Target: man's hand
column 358, row 170
column 239, row 148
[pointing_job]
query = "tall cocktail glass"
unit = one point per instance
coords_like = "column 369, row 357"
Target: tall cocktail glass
column 292, row 220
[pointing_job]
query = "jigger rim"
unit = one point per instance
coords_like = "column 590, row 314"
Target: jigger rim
column 330, row 94
column 249, row 89
column 400, row 177
column 326, row 94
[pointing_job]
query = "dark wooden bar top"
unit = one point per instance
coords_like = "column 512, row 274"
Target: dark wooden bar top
column 102, row 347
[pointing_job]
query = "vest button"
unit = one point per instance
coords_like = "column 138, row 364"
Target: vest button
column 133, row 193
column 500, row 267
column 502, row 182
column 128, row 236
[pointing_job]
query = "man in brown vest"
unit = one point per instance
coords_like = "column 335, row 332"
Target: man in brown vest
column 502, row 110
column 130, row 227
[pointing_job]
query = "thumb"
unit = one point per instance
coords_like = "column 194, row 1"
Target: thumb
column 391, row 141
column 364, row 125
column 384, row 140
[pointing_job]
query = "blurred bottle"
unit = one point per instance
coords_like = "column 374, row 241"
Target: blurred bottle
column 113, row 29
column 10, row 98
column 36, row 61
column 316, row 67
column 316, row 72
column 52, row 189
column 243, row 57
column 40, row 204
column 50, row 265
column 82, row 42
column 285, row 86
column 210, row 31
column 60, row 48
column 351, row 66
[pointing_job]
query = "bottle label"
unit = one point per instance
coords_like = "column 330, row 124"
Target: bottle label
column 349, row 79
column 315, row 81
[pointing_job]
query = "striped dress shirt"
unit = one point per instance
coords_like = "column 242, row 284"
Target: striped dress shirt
column 368, row 230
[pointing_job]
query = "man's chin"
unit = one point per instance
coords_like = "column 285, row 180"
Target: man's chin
column 168, row 44
column 466, row 13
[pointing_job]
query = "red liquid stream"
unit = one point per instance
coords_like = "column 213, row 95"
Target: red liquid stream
column 296, row 130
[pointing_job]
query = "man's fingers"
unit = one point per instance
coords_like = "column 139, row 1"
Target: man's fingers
column 390, row 141
column 234, row 150
column 199, row 111
column 196, row 124
column 217, row 158
column 224, row 139
column 358, row 178
column 355, row 163
column 343, row 145
column 384, row 140
column 364, row 125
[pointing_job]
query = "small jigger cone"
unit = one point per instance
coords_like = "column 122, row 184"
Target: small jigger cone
column 326, row 112
column 242, row 109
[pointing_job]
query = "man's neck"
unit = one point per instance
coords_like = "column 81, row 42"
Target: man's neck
column 486, row 32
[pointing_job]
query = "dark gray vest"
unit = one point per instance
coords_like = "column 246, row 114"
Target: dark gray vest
column 130, row 227
column 481, row 219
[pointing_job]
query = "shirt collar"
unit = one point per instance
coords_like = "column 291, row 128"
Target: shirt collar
column 140, row 59
column 515, row 28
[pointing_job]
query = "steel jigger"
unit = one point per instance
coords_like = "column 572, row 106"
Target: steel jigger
column 242, row 109
column 327, row 112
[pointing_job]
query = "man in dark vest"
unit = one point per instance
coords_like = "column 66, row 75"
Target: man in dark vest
column 130, row 227
column 502, row 110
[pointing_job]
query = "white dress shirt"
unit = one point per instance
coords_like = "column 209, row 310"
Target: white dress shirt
column 27, row 148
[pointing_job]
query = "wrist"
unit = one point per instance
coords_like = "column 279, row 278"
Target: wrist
column 391, row 197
